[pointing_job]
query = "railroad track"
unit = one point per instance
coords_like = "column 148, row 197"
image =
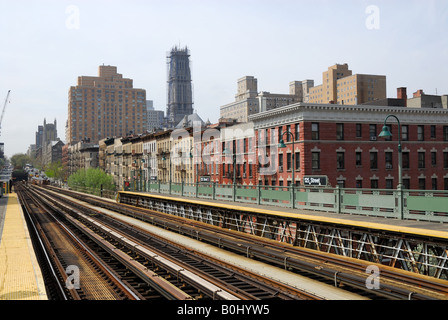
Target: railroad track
column 171, row 272
column 343, row 272
column 63, row 251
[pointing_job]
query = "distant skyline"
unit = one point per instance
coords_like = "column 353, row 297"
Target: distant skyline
column 47, row 44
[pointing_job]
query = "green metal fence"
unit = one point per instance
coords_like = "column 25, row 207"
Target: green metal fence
column 423, row 205
column 399, row 204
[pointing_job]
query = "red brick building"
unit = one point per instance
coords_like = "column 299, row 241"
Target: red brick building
column 339, row 143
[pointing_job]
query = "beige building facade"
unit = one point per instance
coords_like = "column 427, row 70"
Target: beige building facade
column 340, row 86
column 249, row 101
column 105, row 106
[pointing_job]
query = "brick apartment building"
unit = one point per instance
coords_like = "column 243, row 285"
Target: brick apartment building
column 342, row 143
column 337, row 142
column 105, row 106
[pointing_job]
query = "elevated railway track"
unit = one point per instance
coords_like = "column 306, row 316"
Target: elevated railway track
column 134, row 264
column 343, row 273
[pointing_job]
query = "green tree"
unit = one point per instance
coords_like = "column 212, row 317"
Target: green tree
column 55, row 170
column 19, row 160
column 91, row 178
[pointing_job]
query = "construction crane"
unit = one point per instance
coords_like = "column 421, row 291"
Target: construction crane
column 3, row 111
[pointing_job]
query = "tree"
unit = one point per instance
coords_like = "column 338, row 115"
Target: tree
column 55, row 170
column 19, row 160
column 91, row 178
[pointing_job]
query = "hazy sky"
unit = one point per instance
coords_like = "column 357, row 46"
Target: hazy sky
column 46, row 45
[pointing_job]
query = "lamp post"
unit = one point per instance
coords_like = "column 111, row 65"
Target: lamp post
column 142, row 176
column 386, row 133
column 283, row 145
column 191, row 163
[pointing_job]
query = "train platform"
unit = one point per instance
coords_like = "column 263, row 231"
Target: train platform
column 436, row 229
column 20, row 274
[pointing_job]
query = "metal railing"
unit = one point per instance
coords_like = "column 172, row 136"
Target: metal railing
column 391, row 203
column 422, row 205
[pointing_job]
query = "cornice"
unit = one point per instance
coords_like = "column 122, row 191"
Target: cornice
column 345, row 113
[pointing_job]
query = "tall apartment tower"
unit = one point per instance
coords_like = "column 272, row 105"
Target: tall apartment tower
column 180, row 93
column 105, row 106
column 341, row 86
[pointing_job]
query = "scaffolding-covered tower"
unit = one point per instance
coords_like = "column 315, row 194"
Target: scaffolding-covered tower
column 180, row 93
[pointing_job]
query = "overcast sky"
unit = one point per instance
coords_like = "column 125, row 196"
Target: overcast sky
column 45, row 45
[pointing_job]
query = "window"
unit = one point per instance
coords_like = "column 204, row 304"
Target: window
column 422, row 183
column 358, row 130
column 297, row 132
column 288, row 136
column 358, row 159
column 315, row 131
column 374, row 184
column 433, row 159
column 280, row 162
column 434, row 183
column 445, row 160
column 288, row 161
column 359, row 184
column 389, row 183
column 420, row 133
column 421, row 160
column 372, row 130
column 315, row 160
column 433, row 132
column 445, row 133
column 340, row 163
column 373, row 160
column 388, row 160
column 297, row 160
column 405, row 160
column 280, row 133
column 405, row 133
column 339, row 131
column 406, row 184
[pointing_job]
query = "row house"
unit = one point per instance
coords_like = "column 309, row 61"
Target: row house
column 335, row 145
column 82, row 155
column 136, row 161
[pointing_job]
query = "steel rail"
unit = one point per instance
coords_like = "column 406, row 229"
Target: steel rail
column 170, row 291
column 327, row 265
column 43, row 248
column 269, row 283
column 91, row 256
column 165, row 288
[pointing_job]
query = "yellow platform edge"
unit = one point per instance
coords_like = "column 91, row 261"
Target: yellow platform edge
column 20, row 273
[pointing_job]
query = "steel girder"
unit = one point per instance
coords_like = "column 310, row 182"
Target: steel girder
column 408, row 252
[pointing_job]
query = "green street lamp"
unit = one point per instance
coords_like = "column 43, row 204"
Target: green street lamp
column 283, row 145
column 386, row 133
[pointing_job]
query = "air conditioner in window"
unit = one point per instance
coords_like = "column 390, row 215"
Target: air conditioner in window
column 372, row 138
